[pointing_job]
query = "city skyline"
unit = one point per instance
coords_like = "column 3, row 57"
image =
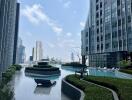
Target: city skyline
column 59, row 33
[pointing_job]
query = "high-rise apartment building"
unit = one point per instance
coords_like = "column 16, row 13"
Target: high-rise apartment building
column 107, row 36
column 37, row 52
column 8, row 14
column 16, row 33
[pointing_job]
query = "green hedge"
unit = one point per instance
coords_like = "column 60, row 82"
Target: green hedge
column 5, row 92
column 123, row 87
column 92, row 92
column 17, row 67
column 128, row 71
column 6, row 76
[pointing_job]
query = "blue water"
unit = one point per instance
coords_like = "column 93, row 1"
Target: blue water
column 102, row 72
column 25, row 87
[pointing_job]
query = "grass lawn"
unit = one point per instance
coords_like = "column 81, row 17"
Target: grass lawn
column 128, row 71
column 123, row 87
column 92, row 92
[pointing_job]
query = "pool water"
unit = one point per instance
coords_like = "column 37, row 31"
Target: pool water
column 25, row 87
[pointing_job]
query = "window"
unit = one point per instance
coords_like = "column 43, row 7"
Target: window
column 123, row 21
column 129, row 19
column 98, row 39
column 97, row 1
column 101, row 46
column 129, row 29
column 115, row 44
column 97, row 47
column 114, row 34
column 97, row 30
column 101, row 21
column 101, row 38
column 114, row 24
column 100, row 4
column 119, row 33
column 118, row 2
column 86, row 41
column 86, row 34
column 107, row 36
column 119, row 22
column 97, row 15
column 130, row 41
column 120, row 43
column 100, row 12
column 86, row 49
column 124, row 43
column 97, row 22
column 101, row 29
column 118, row 12
column 97, row 7
column 107, row 45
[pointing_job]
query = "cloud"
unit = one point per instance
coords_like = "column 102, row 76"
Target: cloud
column 36, row 15
column 82, row 24
column 51, row 45
column 69, row 34
column 66, row 43
column 67, row 4
column 57, row 30
column 29, row 34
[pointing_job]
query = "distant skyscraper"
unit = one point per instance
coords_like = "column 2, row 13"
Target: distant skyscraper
column 38, row 51
column 107, row 36
column 34, row 54
column 72, row 57
column 20, row 52
column 7, row 32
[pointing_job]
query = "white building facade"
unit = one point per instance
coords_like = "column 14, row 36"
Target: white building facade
column 38, row 51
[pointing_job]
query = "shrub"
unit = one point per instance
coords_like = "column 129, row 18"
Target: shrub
column 92, row 92
column 123, row 87
column 17, row 67
column 6, row 93
column 128, row 71
column 124, row 63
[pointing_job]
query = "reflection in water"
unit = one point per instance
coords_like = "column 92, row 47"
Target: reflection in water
column 44, row 83
column 27, row 89
column 44, row 89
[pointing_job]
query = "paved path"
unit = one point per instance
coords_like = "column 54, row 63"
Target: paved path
column 115, row 96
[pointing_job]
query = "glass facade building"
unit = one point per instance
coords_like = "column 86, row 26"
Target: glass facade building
column 7, row 32
column 16, row 33
column 108, row 32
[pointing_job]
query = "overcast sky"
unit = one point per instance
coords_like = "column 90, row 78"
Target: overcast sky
column 57, row 23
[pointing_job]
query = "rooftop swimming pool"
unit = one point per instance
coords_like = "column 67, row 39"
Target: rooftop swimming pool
column 25, row 87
